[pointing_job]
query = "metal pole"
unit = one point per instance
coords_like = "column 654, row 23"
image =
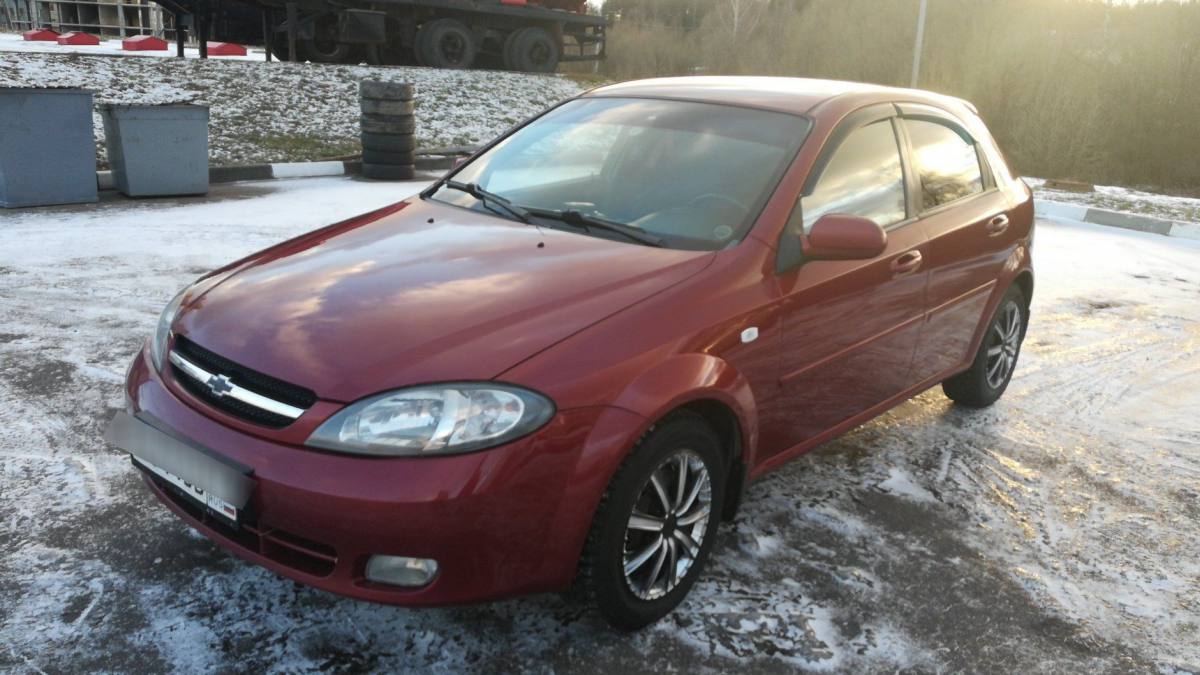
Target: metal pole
column 202, row 31
column 916, row 69
column 180, row 35
column 293, row 17
column 266, row 27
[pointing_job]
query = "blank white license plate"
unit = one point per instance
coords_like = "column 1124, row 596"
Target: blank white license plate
column 205, row 498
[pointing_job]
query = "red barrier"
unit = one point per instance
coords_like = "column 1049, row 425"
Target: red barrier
column 78, row 39
column 225, row 49
column 43, row 34
column 144, row 43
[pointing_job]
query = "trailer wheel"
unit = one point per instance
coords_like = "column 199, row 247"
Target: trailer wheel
column 324, row 47
column 446, row 43
column 532, row 50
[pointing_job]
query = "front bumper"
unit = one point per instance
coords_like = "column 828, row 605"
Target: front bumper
column 501, row 522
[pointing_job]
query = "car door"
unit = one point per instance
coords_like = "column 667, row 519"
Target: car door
column 966, row 221
column 850, row 327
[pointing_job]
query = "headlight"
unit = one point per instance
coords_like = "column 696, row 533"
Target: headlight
column 432, row 420
column 158, row 345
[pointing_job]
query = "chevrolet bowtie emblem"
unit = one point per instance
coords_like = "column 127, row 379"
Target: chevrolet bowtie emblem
column 220, row 385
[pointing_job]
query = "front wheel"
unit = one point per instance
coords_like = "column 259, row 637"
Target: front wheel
column 656, row 525
column 985, row 381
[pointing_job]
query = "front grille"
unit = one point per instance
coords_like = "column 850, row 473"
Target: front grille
column 252, row 380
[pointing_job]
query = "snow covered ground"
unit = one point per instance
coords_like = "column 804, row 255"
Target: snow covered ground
column 1055, row 531
column 1127, row 200
column 279, row 112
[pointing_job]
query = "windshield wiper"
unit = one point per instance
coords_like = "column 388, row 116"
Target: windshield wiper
column 490, row 200
column 588, row 222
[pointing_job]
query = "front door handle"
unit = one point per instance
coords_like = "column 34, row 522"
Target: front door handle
column 996, row 226
column 906, row 264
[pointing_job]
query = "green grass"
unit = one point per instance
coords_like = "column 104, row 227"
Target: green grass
column 299, row 147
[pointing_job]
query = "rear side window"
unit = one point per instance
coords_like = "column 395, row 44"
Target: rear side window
column 945, row 162
column 863, row 178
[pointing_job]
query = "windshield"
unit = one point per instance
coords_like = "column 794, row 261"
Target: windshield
column 693, row 175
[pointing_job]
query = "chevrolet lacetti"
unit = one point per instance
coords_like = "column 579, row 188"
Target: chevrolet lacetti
column 562, row 363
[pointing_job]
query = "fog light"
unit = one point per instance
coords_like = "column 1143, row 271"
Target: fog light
column 398, row 570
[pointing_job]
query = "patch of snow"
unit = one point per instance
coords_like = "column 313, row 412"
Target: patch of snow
column 1126, row 200
column 900, row 482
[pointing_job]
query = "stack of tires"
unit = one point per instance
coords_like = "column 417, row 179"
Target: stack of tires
column 388, row 123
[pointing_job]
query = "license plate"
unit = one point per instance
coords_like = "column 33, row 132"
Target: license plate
column 204, row 498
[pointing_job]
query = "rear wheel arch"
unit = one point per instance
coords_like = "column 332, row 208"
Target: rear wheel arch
column 1024, row 282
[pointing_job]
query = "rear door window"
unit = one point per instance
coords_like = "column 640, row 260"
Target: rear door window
column 945, row 161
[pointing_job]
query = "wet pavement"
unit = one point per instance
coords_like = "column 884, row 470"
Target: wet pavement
column 1055, row 531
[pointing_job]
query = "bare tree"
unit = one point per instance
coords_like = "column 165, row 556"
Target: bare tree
column 742, row 17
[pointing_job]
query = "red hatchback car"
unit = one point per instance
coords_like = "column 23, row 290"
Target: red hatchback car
column 564, row 361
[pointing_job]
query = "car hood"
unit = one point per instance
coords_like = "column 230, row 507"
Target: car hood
column 418, row 292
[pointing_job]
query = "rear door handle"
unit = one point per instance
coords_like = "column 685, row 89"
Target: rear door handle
column 997, row 226
column 906, row 264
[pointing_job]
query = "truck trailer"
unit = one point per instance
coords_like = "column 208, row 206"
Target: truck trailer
column 521, row 35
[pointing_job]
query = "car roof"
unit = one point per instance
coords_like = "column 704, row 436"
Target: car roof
column 795, row 95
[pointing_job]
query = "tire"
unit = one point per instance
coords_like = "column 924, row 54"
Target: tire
column 446, row 43
column 632, row 601
column 387, row 124
column 387, row 172
column 324, row 47
column 376, row 106
column 986, row 380
column 387, row 91
column 325, row 52
column 419, row 47
column 532, row 50
column 507, row 59
column 372, row 156
column 388, row 142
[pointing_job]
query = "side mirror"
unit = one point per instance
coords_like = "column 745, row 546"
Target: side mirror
column 837, row 236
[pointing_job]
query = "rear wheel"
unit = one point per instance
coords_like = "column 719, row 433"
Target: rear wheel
column 985, row 381
column 446, row 43
column 532, row 50
column 656, row 525
column 324, row 47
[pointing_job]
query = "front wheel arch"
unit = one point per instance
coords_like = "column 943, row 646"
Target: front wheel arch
column 724, row 422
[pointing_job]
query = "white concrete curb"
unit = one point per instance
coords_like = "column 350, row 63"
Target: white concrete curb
column 307, row 169
column 1126, row 221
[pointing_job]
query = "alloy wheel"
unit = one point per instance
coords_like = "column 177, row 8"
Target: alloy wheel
column 1004, row 340
column 667, row 527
